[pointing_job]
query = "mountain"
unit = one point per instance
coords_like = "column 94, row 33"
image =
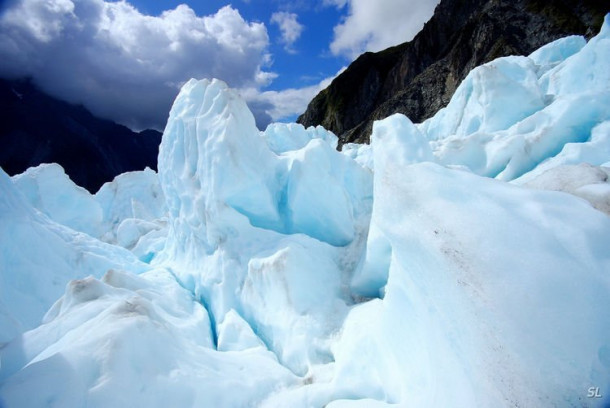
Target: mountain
column 36, row 128
column 417, row 78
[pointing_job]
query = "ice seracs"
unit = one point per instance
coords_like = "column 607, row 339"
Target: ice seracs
column 129, row 211
column 38, row 257
column 510, row 115
column 129, row 340
column 283, row 137
column 267, row 269
column 133, row 195
column 256, row 231
column 464, row 321
column 49, row 189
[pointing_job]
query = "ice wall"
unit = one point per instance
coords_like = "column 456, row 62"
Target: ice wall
column 257, row 225
column 38, row 257
column 129, row 211
column 510, row 115
column 496, row 295
column 49, row 189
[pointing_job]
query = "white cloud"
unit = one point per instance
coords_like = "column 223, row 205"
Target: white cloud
column 290, row 28
column 336, row 3
column 124, row 65
column 277, row 105
column 376, row 25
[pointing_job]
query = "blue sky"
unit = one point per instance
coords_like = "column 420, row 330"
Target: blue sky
column 126, row 60
column 311, row 60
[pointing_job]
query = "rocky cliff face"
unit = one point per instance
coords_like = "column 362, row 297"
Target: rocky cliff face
column 419, row 77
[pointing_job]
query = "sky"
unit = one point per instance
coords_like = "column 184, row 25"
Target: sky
column 126, row 60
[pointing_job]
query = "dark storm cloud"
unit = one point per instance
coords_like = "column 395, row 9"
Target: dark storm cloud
column 124, row 65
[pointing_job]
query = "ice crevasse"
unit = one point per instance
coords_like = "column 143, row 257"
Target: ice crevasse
column 431, row 268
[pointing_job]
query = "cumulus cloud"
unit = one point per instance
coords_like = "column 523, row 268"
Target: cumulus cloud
column 289, row 27
column 124, row 65
column 376, row 25
column 271, row 106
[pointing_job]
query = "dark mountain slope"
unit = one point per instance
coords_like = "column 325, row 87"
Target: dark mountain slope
column 36, row 128
column 419, row 77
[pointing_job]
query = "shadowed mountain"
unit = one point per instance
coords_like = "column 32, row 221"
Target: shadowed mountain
column 36, row 128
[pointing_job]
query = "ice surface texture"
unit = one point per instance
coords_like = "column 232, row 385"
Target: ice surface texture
column 129, row 211
column 267, row 269
column 260, row 229
column 512, row 114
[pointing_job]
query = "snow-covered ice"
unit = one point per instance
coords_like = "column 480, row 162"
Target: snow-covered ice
column 38, row 257
column 129, row 211
column 283, row 137
column 512, row 114
column 49, row 189
column 259, row 232
column 132, row 341
column 463, row 261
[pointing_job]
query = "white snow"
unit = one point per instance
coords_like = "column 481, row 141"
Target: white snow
column 433, row 268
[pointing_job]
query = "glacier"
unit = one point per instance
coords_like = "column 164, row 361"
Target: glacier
column 463, row 261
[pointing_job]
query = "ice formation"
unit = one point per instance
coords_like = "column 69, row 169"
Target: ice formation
column 39, row 257
column 431, row 268
column 251, row 230
column 511, row 115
